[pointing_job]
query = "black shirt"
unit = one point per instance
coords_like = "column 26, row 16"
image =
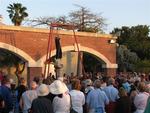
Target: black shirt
column 41, row 105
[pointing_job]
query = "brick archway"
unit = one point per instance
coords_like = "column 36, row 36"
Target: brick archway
column 18, row 52
column 84, row 49
column 31, row 45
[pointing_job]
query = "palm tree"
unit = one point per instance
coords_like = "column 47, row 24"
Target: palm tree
column 17, row 13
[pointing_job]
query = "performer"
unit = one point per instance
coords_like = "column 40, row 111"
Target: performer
column 58, row 48
column 58, row 66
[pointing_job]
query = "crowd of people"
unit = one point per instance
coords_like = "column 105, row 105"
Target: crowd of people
column 91, row 93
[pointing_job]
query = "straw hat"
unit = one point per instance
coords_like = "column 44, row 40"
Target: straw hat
column 43, row 90
column 58, row 87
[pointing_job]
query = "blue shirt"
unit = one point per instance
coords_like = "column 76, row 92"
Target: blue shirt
column 126, row 86
column 97, row 98
column 6, row 94
column 111, row 92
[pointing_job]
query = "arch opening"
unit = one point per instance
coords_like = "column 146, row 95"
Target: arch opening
column 12, row 65
column 92, row 63
column 84, row 49
column 103, row 61
column 18, row 52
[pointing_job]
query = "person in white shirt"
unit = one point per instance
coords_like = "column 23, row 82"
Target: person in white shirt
column 140, row 99
column 61, row 98
column 77, row 97
column 27, row 97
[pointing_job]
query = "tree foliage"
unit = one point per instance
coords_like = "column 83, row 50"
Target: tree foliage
column 86, row 20
column 17, row 13
column 136, row 39
column 143, row 66
column 126, row 59
column 83, row 19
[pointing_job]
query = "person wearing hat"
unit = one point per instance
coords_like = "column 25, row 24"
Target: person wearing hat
column 42, row 104
column 60, row 97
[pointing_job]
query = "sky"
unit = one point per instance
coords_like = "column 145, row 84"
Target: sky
column 118, row 13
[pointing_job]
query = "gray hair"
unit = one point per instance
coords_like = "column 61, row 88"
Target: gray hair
column 111, row 81
column 97, row 83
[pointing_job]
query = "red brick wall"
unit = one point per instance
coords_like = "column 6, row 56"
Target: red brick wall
column 33, row 72
column 35, row 43
column 111, row 72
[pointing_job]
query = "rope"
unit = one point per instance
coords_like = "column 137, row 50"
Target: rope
column 51, row 38
column 49, row 47
column 81, row 60
column 48, row 54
